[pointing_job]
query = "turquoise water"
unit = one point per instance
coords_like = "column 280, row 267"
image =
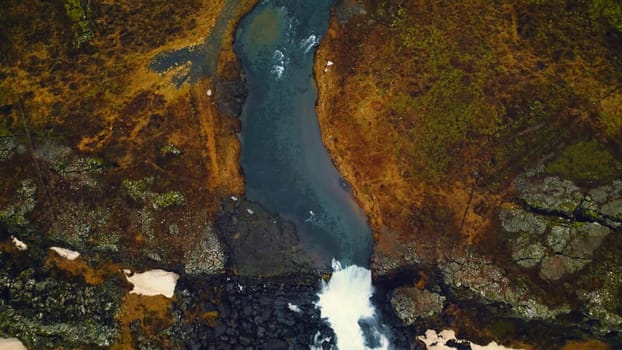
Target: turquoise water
column 286, row 166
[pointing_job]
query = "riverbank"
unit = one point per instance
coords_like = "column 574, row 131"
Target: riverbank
column 432, row 113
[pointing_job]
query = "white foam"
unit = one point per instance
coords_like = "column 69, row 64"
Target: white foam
column 280, row 62
column 153, row 282
column 19, row 244
column 11, row 344
column 345, row 300
column 66, row 253
column 293, row 307
column 436, row 341
column 308, row 43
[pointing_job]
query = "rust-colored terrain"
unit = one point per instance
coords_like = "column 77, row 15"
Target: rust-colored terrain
column 432, row 109
column 123, row 160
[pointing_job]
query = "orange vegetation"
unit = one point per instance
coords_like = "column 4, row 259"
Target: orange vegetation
column 153, row 313
column 431, row 109
column 80, row 268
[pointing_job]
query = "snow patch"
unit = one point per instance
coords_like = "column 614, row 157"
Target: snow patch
column 209, row 92
column 11, row 344
column 19, row 244
column 436, row 341
column 330, row 63
column 66, row 253
column 153, row 282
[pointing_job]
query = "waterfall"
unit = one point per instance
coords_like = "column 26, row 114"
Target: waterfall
column 345, row 303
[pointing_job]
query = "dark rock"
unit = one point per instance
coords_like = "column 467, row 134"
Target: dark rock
column 277, row 344
column 229, row 96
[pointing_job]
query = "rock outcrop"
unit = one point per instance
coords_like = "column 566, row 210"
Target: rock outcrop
column 260, row 243
column 411, row 304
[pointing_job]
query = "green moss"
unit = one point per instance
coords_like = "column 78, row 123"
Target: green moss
column 585, row 161
column 138, row 190
column 609, row 11
column 170, row 150
column 80, row 13
column 168, row 199
column 502, row 328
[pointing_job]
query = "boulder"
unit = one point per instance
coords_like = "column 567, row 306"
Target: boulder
column 260, row 243
column 519, row 220
column 207, row 257
column 471, row 276
column 551, row 195
column 410, row 304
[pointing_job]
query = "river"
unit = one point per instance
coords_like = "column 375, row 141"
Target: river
column 288, row 170
column 286, row 167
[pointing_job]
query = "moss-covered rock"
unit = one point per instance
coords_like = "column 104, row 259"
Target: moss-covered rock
column 81, row 14
column 549, row 194
column 475, row 277
column 170, row 150
column 207, row 257
column 167, row 199
column 45, row 311
column 16, row 214
column 7, row 145
column 518, row 220
column 411, row 304
column 140, row 191
column 86, row 228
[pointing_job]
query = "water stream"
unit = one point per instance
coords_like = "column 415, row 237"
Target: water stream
column 286, row 166
column 288, row 170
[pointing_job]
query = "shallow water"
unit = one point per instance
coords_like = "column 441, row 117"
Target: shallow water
column 286, row 166
column 201, row 58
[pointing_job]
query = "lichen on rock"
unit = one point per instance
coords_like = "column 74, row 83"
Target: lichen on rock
column 47, row 312
column 206, row 257
column 410, row 304
column 7, row 146
column 519, row 220
column 602, row 303
column 475, row 277
column 86, row 228
column 16, row 214
column 551, row 194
